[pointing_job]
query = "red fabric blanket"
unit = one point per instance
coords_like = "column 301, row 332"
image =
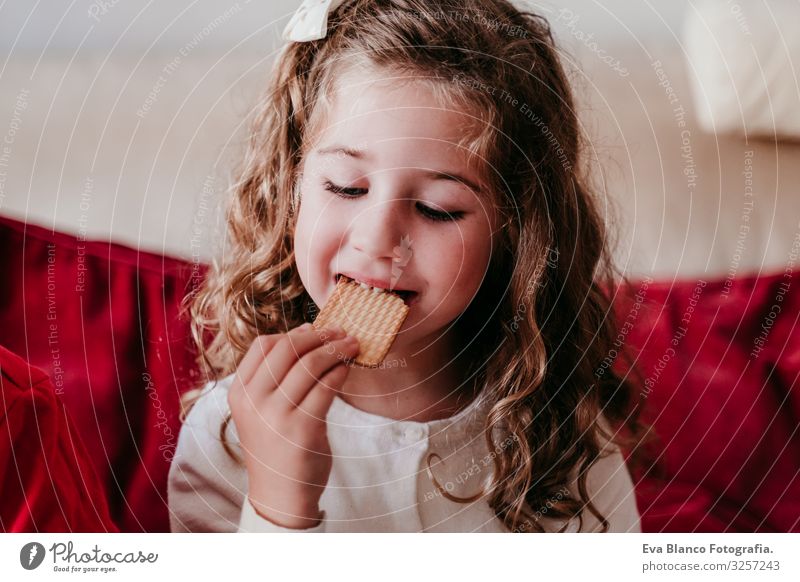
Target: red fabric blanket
column 102, row 320
column 49, row 482
column 719, row 360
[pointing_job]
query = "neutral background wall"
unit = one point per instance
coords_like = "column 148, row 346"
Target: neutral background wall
column 94, row 149
column 134, row 26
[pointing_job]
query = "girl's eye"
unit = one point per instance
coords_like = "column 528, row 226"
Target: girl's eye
column 342, row 191
column 426, row 211
column 436, row 215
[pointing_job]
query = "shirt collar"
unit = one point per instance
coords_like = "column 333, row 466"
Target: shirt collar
column 461, row 427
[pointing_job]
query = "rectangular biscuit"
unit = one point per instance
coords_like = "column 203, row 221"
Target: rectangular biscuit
column 373, row 317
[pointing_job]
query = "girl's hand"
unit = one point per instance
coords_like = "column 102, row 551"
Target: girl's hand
column 279, row 399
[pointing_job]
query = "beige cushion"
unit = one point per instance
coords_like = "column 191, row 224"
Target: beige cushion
column 742, row 62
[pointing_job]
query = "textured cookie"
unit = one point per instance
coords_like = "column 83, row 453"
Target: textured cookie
column 374, row 317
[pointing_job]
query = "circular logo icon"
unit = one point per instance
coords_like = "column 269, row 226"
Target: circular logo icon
column 31, row 555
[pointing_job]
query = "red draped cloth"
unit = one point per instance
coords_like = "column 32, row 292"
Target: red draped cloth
column 103, row 321
column 48, row 480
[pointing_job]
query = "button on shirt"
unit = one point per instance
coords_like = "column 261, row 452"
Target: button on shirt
column 382, row 476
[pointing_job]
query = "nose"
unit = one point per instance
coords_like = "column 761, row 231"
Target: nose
column 376, row 230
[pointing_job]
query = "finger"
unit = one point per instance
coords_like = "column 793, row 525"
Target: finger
column 305, row 374
column 318, row 401
column 286, row 352
column 241, row 389
column 258, row 350
column 256, row 353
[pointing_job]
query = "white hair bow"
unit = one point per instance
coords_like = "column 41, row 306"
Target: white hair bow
column 310, row 22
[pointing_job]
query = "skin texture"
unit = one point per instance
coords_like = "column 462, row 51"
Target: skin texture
column 286, row 382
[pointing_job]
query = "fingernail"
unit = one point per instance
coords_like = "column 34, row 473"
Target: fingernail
column 306, row 326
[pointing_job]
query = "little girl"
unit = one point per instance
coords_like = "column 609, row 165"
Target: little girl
column 429, row 148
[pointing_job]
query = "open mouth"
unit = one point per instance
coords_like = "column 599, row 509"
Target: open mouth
column 408, row 297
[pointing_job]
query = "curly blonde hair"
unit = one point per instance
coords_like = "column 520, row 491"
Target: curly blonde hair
column 541, row 325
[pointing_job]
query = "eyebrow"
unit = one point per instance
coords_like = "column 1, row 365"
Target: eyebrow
column 361, row 154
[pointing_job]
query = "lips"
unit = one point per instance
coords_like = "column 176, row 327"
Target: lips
column 408, row 296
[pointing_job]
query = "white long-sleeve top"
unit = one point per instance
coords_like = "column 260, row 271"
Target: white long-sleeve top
column 379, row 482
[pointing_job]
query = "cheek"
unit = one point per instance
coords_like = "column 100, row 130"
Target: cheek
column 301, row 253
column 458, row 263
column 317, row 237
column 301, row 236
column 311, row 242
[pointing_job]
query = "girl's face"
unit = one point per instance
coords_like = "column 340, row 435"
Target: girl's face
column 388, row 198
